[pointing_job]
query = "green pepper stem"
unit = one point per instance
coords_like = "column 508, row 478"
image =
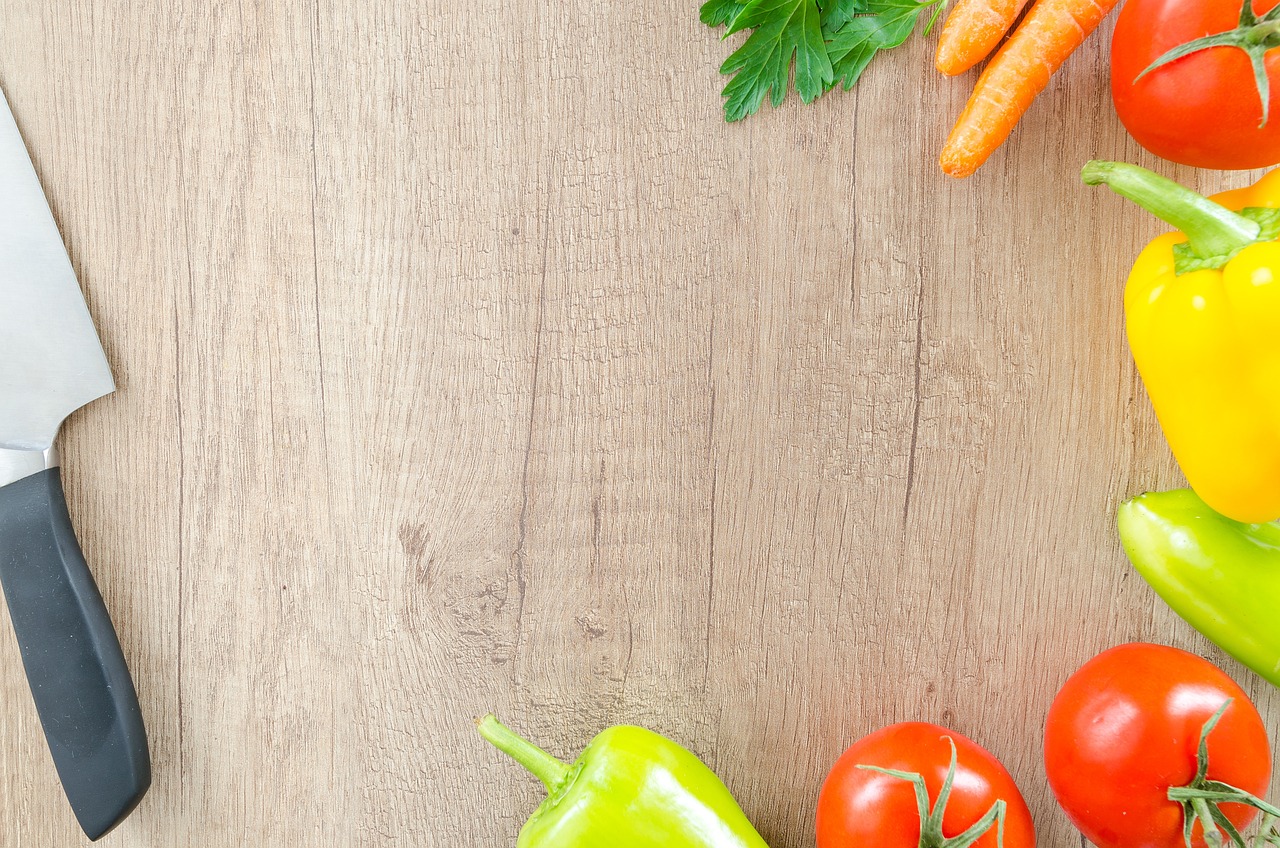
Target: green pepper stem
column 1212, row 229
column 548, row 769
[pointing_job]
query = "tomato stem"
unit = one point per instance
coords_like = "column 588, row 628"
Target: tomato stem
column 1263, row 34
column 1212, row 836
column 1201, row 801
column 931, row 835
column 1267, row 834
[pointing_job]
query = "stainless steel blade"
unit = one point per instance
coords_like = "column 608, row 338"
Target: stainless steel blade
column 51, row 362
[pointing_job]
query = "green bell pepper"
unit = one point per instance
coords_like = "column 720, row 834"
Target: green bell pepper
column 1220, row 575
column 630, row 788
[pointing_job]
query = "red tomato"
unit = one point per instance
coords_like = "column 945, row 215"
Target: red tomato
column 861, row 808
column 1125, row 728
column 1202, row 109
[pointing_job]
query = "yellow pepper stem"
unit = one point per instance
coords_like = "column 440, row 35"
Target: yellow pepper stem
column 1212, row 230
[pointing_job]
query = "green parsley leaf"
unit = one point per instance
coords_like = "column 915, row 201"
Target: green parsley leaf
column 837, row 13
column 783, row 30
column 871, row 26
column 716, row 13
column 828, row 42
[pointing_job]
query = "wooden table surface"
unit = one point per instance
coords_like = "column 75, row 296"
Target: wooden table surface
column 469, row 361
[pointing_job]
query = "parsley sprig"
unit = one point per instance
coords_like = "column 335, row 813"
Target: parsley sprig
column 826, row 42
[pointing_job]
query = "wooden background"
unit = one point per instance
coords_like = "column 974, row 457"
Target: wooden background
column 469, row 361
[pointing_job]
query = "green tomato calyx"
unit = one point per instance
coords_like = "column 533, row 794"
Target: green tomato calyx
column 931, row 835
column 1201, row 801
column 1255, row 35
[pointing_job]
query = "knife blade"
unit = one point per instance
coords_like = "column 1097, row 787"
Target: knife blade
column 51, row 364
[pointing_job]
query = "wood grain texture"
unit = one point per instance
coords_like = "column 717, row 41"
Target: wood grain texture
column 468, row 361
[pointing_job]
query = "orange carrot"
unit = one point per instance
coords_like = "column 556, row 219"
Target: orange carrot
column 1050, row 32
column 972, row 31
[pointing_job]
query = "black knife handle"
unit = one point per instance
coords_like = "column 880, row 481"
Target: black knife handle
column 82, row 688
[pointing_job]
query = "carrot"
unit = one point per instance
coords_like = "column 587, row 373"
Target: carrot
column 1050, row 32
column 972, row 31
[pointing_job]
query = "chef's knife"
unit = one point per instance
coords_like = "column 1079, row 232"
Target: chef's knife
column 51, row 364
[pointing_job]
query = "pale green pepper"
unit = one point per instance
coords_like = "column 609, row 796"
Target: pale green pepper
column 1221, row 575
column 630, row 788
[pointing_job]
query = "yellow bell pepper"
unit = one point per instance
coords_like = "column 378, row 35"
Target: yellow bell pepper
column 1202, row 312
